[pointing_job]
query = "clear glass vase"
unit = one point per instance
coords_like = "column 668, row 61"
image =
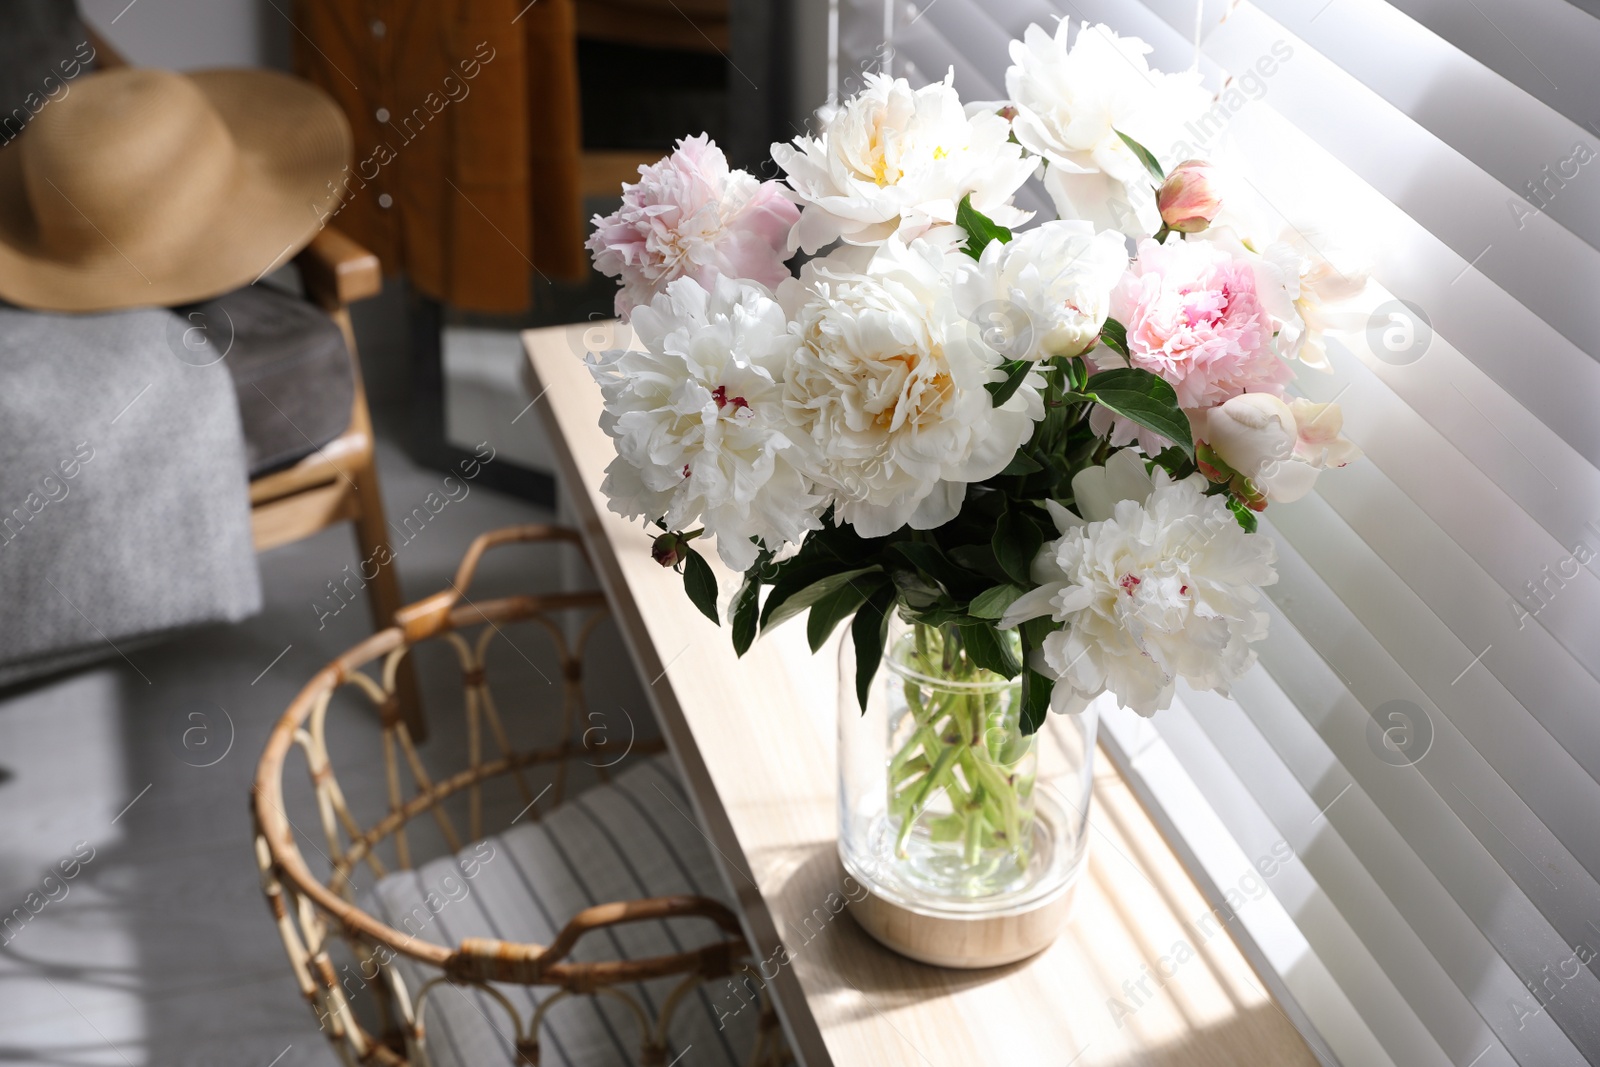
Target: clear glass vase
column 944, row 805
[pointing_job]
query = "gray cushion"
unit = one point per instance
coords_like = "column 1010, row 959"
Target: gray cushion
column 290, row 367
column 625, row 840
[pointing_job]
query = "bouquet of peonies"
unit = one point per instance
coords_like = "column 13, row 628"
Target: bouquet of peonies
column 1043, row 446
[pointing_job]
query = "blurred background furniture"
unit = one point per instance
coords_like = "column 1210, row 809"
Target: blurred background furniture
column 473, row 202
column 467, row 948
column 686, row 26
column 328, row 480
column 636, row 98
column 487, row 132
column 292, row 359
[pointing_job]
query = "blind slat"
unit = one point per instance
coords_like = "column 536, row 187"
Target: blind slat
column 1477, row 110
column 1545, row 47
column 1509, row 544
column 1527, row 768
column 1413, row 806
column 1536, row 260
column 1540, row 678
column 1343, row 912
column 983, row 43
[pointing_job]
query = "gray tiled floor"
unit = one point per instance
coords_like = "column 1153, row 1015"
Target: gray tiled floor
column 161, row 952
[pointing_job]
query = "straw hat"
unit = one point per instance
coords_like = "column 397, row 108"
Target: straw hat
column 148, row 188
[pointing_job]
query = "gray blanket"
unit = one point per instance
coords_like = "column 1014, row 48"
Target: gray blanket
column 124, row 503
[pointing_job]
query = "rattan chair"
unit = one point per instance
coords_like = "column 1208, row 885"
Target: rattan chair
column 403, row 987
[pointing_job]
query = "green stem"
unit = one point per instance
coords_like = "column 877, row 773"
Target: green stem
column 949, row 748
column 972, row 837
column 924, row 787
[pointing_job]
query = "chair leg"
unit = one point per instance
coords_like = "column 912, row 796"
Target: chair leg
column 383, row 591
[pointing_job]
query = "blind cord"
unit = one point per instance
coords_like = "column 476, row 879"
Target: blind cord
column 1199, row 24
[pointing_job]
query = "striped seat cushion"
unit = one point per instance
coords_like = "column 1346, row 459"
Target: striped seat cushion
column 632, row 838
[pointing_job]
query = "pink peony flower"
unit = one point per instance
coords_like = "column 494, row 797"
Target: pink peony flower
column 690, row 216
column 1193, row 318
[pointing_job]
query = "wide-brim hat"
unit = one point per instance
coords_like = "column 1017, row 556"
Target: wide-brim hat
column 143, row 187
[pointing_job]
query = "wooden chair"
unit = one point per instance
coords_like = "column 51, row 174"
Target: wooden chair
column 408, row 961
column 339, row 481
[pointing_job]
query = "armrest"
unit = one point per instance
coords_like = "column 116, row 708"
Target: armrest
column 336, row 271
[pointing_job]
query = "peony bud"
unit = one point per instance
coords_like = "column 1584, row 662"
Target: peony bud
column 1255, row 435
column 1189, row 199
column 1251, row 430
column 669, row 549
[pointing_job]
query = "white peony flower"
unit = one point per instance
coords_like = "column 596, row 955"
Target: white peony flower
column 1280, row 447
column 1307, row 294
column 698, row 419
column 897, row 160
column 1072, row 103
column 1046, row 292
column 1159, row 583
column 886, row 393
column 1321, row 296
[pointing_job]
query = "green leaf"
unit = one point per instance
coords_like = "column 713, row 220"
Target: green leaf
column 839, row 543
column 1078, row 368
column 932, row 562
column 992, row 603
column 815, row 561
column 1146, row 399
column 980, row 228
column 1035, row 700
column 917, row 590
column 1246, row 517
column 745, row 609
column 700, row 583
column 1114, row 336
column 1017, row 539
column 1016, row 373
column 1035, row 686
column 990, row 649
column 1022, row 463
column 938, row 616
column 793, row 604
column 1175, row 462
column 980, row 558
column 831, row 610
column 869, row 633
column 1145, row 156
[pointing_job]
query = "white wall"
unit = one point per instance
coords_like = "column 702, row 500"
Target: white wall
column 195, row 34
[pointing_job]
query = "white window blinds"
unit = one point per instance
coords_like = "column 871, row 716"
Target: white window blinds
column 1424, row 727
